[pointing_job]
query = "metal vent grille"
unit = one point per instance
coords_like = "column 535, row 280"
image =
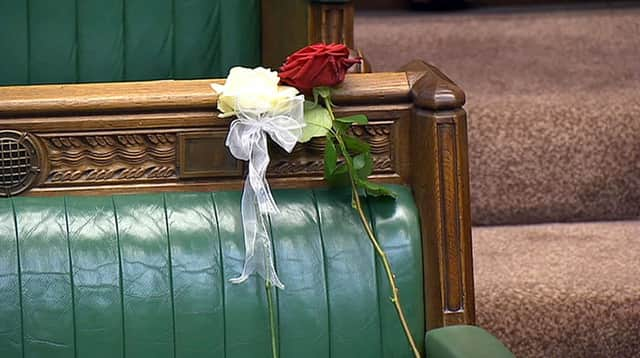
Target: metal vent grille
column 18, row 163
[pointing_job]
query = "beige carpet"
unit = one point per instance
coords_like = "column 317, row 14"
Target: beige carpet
column 561, row 290
column 553, row 102
column 554, row 135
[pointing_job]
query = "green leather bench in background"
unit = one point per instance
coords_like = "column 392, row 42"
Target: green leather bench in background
column 70, row 41
column 77, row 41
column 146, row 274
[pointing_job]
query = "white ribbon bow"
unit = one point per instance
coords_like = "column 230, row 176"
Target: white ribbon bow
column 247, row 140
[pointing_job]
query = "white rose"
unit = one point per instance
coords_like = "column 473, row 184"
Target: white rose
column 251, row 89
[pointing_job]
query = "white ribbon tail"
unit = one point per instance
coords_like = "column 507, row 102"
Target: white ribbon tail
column 258, row 247
column 247, row 140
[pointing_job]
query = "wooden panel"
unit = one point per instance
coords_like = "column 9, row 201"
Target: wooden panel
column 464, row 220
column 450, row 249
column 331, row 23
column 303, row 23
column 280, row 17
column 424, row 166
column 440, row 180
column 204, row 154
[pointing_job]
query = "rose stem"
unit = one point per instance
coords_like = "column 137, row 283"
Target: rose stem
column 383, row 256
column 272, row 323
column 267, row 287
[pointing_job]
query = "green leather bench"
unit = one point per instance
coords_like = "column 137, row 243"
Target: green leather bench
column 79, row 41
column 119, row 229
column 148, row 276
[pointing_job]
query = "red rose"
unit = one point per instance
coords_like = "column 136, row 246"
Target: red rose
column 317, row 65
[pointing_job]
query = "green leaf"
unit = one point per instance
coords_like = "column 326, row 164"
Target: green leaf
column 355, row 144
column 363, row 165
column 341, row 127
column 359, row 162
column 318, row 122
column 357, row 119
column 340, row 176
column 330, row 158
column 347, row 156
column 374, row 189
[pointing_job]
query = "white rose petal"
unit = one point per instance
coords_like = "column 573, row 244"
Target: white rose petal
column 252, row 89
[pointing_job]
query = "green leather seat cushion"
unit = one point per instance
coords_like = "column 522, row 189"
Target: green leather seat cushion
column 463, row 342
column 148, row 276
column 69, row 41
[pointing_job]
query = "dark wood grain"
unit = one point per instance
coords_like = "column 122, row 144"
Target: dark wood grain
column 440, row 182
column 283, row 19
column 331, row 23
column 435, row 91
column 170, row 96
column 288, row 25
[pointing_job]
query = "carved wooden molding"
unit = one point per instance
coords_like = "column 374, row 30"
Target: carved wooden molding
column 308, row 159
column 131, row 157
column 105, row 157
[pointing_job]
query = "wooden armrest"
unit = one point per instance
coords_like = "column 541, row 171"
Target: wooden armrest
column 431, row 88
column 171, row 95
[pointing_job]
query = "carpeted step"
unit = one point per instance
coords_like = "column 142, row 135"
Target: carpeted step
column 560, row 290
column 553, row 102
column 555, row 157
column 554, row 135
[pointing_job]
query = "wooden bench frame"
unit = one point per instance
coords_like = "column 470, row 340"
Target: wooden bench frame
column 165, row 136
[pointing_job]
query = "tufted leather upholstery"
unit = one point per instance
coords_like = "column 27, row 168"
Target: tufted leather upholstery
column 68, row 41
column 147, row 276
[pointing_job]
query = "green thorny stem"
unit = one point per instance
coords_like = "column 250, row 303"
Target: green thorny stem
column 395, row 299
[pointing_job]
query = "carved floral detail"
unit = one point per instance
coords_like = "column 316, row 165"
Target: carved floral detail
column 99, row 158
column 308, row 158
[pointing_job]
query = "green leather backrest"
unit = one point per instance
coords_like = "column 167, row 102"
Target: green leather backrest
column 68, row 41
column 148, row 276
